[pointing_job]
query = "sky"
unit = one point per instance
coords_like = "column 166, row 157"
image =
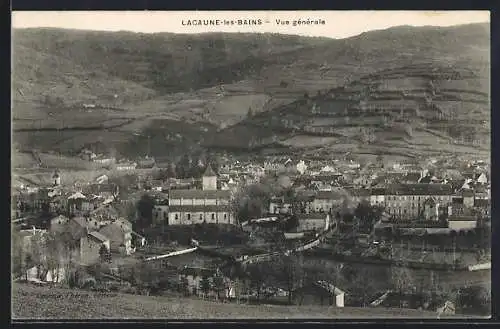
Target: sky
column 337, row 24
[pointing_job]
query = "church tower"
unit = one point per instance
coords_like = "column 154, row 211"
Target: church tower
column 56, row 178
column 209, row 179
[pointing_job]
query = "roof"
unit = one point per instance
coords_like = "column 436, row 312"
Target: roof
column 80, row 221
column 200, row 208
column 199, row 194
column 100, row 188
column 378, row 191
column 314, row 215
column 420, row 189
column 99, row 236
column 197, row 271
column 358, row 192
column 412, row 176
column 60, row 217
column 329, row 195
column 77, row 195
column 209, row 172
column 330, row 287
column 114, row 227
column 462, row 218
column 430, row 201
column 481, row 203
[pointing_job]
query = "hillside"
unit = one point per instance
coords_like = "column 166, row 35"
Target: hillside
column 148, row 82
column 425, row 100
column 29, row 302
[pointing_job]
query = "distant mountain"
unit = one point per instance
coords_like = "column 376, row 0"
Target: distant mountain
column 351, row 88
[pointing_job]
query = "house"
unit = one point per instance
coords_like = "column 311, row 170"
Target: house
column 90, row 246
column 326, row 201
column 59, row 223
column 359, row 195
column 377, row 196
column 447, row 309
column 313, row 222
column 126, row 165
column 160, row 212
column 191, row 278
column 462, row 222
column 431, row 209
column 280, row 205
column 468, row 198
column 482, row 179
column 78, row 227
column 104, row 190
column 301, row 167
column 55, row 275
column 146, row 163
column 319, row 293
column 78, row 202
column 210, row 205
column 102, row 179
column 104, row 160
column 119, row 234
column 88, row 155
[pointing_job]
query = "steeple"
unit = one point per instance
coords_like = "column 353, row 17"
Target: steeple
column 209, row 179
column 209, row 172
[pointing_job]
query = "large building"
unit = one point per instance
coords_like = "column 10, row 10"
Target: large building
column 411, row 201
column 208, row 205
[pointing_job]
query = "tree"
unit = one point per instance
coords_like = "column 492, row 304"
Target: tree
column 18, row 255
column 257, row 274
column 171, row 171
column 184, row 286
column 219, row 285
column 205, row 285
column 184, row 166
column 402, row 280
column 145, row 210
column 104, row 254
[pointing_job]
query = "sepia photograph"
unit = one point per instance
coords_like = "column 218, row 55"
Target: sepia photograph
column 200, row 165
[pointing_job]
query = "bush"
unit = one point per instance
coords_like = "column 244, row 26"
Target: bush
column 88, row 283
column 128, row 290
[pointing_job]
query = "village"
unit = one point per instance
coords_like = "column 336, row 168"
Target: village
column 335, row 232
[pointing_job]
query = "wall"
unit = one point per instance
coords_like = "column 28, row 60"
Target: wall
column 89, row 250
column 461, row 225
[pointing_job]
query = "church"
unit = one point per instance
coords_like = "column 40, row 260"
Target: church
column 208, row 205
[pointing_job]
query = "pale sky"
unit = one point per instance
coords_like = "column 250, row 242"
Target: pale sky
column 338, row 24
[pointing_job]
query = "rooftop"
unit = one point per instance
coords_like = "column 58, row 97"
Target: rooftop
column 420, row 189
column 200, row 208
column 199, row 194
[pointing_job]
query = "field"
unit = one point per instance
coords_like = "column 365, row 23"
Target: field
column 30, row 302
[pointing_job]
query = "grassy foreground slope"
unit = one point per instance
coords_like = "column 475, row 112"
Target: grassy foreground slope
column 29, row 302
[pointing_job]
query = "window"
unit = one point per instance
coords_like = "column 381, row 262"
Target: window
column 225, row 216
column 188, row 216
column 176, row 216
column 213, row 216
column 201, row 217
